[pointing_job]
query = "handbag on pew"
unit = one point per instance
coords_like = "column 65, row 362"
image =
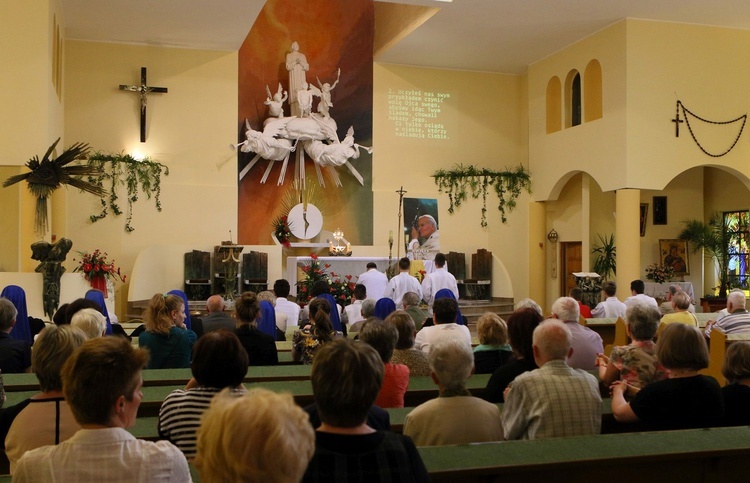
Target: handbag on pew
column 280, row 335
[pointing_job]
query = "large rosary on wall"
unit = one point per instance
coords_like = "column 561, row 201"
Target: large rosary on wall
column 687, row 114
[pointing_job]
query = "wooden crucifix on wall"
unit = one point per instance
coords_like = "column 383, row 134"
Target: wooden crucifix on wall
column 143, row 89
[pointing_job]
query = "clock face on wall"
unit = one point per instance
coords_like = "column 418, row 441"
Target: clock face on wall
column 305, row 224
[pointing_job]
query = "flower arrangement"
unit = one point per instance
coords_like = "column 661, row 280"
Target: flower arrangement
column 314, row 271
column 282, row 230
column 342, row 289
column 659, row 273
column 95, row 265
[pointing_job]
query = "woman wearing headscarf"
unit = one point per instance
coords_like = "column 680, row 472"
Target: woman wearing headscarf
column 384, row 307
column 21, row 329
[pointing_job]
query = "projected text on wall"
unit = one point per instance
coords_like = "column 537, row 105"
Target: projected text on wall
column 417, row 114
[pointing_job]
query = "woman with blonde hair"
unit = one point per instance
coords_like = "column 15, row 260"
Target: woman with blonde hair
column 493, row 350
column 166, row 337
column 262, row 436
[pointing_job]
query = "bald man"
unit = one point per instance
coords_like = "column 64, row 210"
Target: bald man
column 554, row 400
column 216, row 318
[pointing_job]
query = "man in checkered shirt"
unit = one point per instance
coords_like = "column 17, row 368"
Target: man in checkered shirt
column 554, row 400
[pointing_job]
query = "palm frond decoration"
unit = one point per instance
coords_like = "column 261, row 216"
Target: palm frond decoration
column 47, row 175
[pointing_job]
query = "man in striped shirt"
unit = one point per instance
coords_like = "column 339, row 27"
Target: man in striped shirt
column 738, row 319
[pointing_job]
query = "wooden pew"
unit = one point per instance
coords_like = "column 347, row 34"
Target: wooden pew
column 620, row 337
column 421, row 389
column 173, row 377
column 701, row 455
column 697, row 455
column 717, row 350
column 147, row 427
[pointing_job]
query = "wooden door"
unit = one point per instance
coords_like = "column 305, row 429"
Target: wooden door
column 571, row 260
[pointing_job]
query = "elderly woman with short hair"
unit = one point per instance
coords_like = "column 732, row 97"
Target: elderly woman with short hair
column 46, row 417
column 91, row 322
column 687, row 399
column 455, row 417
column 405, row 353
column 636, row 363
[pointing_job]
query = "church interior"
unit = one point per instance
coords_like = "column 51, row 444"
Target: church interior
column 509, row 104
column 629, row 118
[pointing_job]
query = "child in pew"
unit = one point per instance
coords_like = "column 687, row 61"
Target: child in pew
column 685, row 400
column 261, row 437
column 346, row 378
column 737, row 393
column 382, row 336
column 635, row 364
column 219, row 361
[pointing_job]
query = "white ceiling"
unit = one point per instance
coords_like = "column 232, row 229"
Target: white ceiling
column 483, row 35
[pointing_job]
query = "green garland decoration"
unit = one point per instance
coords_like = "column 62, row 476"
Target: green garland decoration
column 463, row 181
column 123, row 169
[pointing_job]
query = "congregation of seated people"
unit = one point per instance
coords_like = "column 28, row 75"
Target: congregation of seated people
column 549, row 373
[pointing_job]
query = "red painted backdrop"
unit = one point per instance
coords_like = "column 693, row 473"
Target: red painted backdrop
column 332, row 34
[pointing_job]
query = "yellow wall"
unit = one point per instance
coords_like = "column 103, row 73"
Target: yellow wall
column 486, row 118
column 189, row 130
column 32, row 115
column 9, row 239
column 702, row 67
column 597, row 147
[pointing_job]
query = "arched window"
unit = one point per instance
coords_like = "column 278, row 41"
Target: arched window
column 554, row 105
column 592, row 91
column 573, row 99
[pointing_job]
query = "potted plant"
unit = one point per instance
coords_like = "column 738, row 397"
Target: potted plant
column 713, row 239
column 606, row 257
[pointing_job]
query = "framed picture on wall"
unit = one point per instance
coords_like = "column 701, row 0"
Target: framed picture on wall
column 660, row 210
column 675, row 254
column 644, row 218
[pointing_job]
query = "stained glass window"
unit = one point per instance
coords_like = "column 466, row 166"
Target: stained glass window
column 736, row 224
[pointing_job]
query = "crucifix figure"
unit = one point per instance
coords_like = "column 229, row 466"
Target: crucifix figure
column 677, row 121
column 143, row 89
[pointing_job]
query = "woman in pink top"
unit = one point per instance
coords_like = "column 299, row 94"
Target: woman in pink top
column 636, row 363
column 383, row 336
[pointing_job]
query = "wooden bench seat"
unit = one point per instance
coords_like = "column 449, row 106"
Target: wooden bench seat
column 697, row 455
column 171, row 377
column 700, row 455
column 717, row 350
column 421, row 389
